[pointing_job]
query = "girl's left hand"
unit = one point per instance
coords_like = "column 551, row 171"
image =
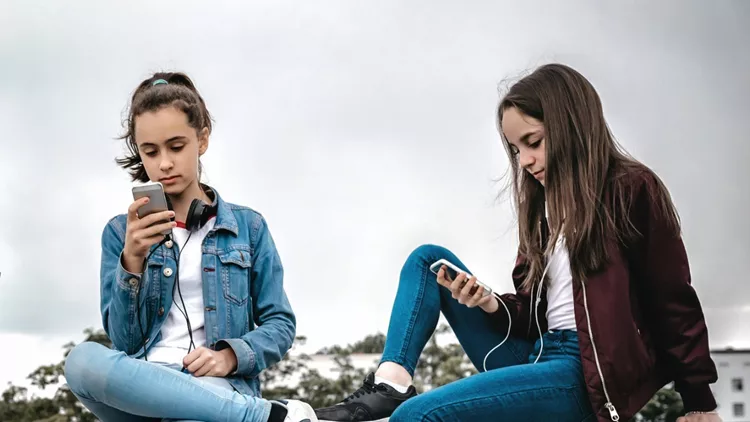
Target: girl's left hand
column 700, row 417
column 204, row 362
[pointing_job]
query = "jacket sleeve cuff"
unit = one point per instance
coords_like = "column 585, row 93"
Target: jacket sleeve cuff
column 244, row 353
column 502, row 313
column 125, row 279
column 507, row 309
column 697, row 398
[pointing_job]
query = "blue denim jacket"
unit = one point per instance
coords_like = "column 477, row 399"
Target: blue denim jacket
column 246, row 307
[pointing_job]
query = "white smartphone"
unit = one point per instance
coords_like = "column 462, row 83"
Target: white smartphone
column 453, row 272
column 157, row 200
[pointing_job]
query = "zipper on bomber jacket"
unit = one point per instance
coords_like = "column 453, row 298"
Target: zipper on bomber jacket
column 613, row 415
column 611, row 407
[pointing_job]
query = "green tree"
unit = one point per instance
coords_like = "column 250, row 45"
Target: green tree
column 665, row 406
column 312, row 387
column 370, row 344
column 320, row 391
column 440, row 365
column 18, row 406
column 373, row 343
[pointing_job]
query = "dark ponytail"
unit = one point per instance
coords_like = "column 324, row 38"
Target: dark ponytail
column 163, row 89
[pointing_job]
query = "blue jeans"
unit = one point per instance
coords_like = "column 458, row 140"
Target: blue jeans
column 118, row 388
column 512, row 389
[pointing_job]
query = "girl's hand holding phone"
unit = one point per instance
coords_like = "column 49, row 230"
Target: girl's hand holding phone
column 461, row 290
column 142, row 233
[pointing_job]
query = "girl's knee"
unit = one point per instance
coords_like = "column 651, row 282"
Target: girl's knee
column 430, row 252
column 84, row 353
column 82, row 365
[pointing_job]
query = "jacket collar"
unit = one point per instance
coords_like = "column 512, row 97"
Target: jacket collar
column 225, row 219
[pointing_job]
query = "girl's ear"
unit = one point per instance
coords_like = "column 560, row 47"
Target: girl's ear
column 202, row 141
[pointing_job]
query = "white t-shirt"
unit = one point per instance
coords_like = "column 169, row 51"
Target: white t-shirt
column 173, row 346
column 560, row 305
column 560, row 308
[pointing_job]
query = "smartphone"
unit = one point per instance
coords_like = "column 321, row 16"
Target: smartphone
column 157, row 200
column 453, row 272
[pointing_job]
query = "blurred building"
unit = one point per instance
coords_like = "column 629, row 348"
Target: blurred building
column 732, row 391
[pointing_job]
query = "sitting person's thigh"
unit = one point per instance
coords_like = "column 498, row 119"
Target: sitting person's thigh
column 210, row 383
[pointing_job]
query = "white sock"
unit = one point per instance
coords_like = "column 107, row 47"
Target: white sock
column 400, row 388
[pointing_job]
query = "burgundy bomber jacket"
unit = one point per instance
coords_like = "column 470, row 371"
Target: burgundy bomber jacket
column 640, row 323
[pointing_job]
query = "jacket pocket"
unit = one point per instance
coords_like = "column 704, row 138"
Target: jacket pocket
column 634, row 361
column 642, row 336
column 235, row 275
column 644, row 347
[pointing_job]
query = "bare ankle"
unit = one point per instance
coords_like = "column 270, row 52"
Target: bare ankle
column 394, row 372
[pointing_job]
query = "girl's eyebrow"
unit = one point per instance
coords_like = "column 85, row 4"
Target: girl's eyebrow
column 172, row 139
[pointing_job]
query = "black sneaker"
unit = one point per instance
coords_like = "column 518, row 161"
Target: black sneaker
column 372, row 402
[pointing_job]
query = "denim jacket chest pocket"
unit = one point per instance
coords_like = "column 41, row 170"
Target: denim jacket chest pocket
column 235, row 273
column 156, row 279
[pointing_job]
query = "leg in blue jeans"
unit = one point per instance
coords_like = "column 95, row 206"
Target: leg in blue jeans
column 416, row 310
column 117, row 388
column 512, row 389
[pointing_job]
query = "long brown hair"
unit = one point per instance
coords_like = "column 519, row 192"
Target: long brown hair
column 178, row 91
column 583, row 174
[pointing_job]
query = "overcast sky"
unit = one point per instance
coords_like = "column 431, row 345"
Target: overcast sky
column 360, row 132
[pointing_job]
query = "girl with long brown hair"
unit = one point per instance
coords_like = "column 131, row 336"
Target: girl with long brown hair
column 604, row 313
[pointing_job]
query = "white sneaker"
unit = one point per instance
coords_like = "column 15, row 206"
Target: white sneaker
column 298, row 411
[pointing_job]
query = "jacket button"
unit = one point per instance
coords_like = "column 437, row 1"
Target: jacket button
column 168, row 244
column 167, row 272
column 161, row 311
column 133, row 282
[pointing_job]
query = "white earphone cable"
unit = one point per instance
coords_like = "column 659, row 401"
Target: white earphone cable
column 536, row 300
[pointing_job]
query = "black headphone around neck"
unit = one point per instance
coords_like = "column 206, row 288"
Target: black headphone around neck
column 198, row 214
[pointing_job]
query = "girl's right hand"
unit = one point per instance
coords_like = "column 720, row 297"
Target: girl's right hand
column 461, row 290
column 142, row 233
